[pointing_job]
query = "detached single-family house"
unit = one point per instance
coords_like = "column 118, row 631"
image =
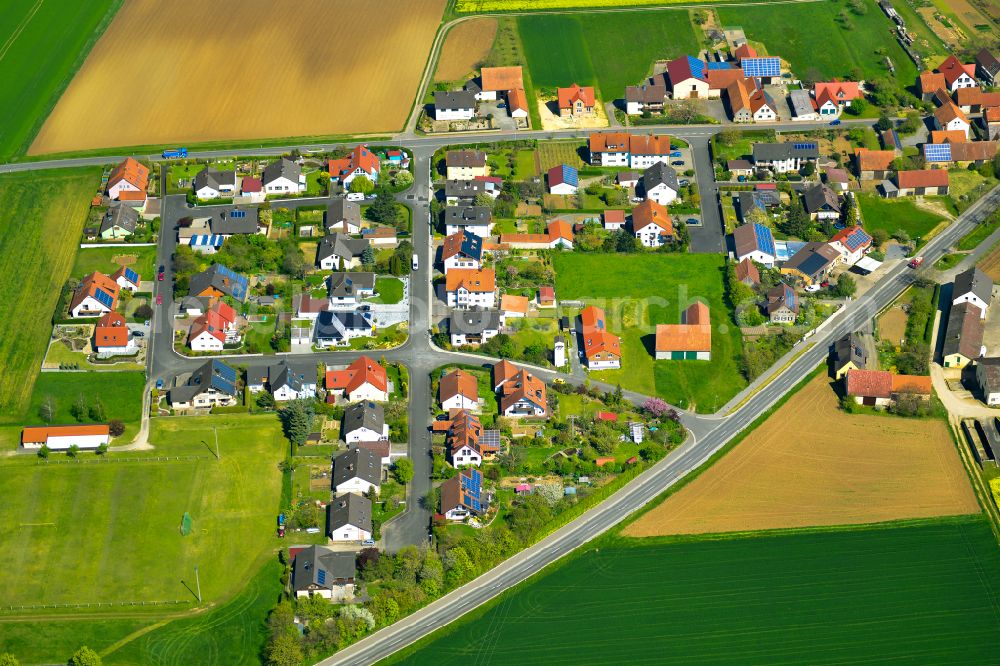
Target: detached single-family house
column 284, row 177
column 343, row 216
column 832, row 97
column 740, row 168
column 348, row 290
column 494, row 82
column 463, row 250
column 118, row 222
column 852, row 243
column 127, row 279
column 286, row 381
column 963, row 342
column 782, row 305
column 601, row 348
column 651, row 224
column 365, row 422
column 465, row 164
column 689, row 340
column 880, row 388
column 233, row 221
column 659, row 183
column 349, row 518
column 217, row 281
column 458, row 390
column 784, row 157
column 738, row 100
column 563, row 179
column 340, row 252
column 322, row 572
column 96, row 295
column 762, row 106
column 950, row 117
column 470, row 288
column 465, row 433
column 253, row 189
column 812, row 263
column 514, row 307
column 128, row 176
column 464, row 192
column 821, row 203
column 475, row 219
column 359, row 162
column 575, row 101
column 987, row 67
column 214, row 329
column 613, row 220
column 523, row 395
column 214, row 184
column 647, row 97
column 62, row 437
column 213, row 384
column 473, row 327
column 462, row 496
column 747, row 272
column 364, row 379
column 358, row 470
column 628, row 150
column 957, row 74
column 919, row 182
column 873, row 164
column 111, row 335
column 688, row 78
column 975, row 287
column 848, row 353
column 756, row 243
column 338, row 328
column 454, row 105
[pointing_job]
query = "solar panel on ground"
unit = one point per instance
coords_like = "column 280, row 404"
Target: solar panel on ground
column 103, row 297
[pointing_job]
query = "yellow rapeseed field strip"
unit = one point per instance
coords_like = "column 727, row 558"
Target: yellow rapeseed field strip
column 186, row 72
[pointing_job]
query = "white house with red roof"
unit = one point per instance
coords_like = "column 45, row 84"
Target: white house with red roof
column 96, row 295
column 360, row 162
column 832, row 97
column 253, row 189
column 688, row 77
column 852, row 243
column 956, row 74
column 129, row 176
column 363, row 379
column 111, row 335
column 62, row 437
column 214, row 329
column 128, row 279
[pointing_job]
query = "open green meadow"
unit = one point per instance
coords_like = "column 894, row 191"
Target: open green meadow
column 478, row 6
column 919, row 594
column 46, row 640
column 41, row 218
column 42, row 44
column 892, row 215
column 115, row 525
column 808, row 36
column 102, row 259
column 640, row 291
column 588, row 48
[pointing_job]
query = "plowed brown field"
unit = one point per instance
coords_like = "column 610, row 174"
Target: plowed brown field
column 811, row 464
column 186, row 71
column 466, row 46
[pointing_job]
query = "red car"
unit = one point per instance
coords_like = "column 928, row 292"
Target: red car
column 160, row 277
column 159, row 299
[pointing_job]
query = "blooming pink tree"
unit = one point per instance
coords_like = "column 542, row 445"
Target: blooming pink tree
column 656, row 406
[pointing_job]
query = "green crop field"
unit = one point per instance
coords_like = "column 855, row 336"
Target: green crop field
column 920, row 594
column 640, row 291
column 795, row 31
column 42, row 44
column 477, row 6
column 41, row 218
column 587, row 48
column 896, row 214
column 115, row 526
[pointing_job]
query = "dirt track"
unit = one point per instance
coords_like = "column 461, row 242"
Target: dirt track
column 186, row 71
column 811, row 464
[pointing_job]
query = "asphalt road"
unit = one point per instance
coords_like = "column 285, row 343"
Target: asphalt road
column 696, row 451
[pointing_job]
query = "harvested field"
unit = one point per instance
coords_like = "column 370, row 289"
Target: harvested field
column 839, row 469
column 333, row 76
column 990, row 264
column 466, row 46
column 892, row 325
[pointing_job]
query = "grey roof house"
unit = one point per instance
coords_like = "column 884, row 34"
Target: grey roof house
column 231, row 221
column 821, row 202
column 350, row 288
column 340, row 327
column 211, row 183
column 357, row 470
column 340, row 251
column 324, row 572
column 350, row 510
column 344, row 216
column 119, row 221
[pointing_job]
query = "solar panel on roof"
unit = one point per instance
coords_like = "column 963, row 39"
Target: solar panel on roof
column 321, row 576
column 765, row 239
column 719, row 65
column 937, row 152
column 131, row 276
column 805, row 146
column 103, row 297
column 238, row 214
column 769, row 66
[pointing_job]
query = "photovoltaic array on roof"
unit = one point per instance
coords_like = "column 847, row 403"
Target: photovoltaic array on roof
column 103, row 297
column 131, row 276
column 937, row 152
column 805, row 146
column 719, row 65
column 856, row 239
column 321, row 576
column 223, row 378
column 768, row 66
column 238, row 282
column 569, row 175
column 238, row 214
column 791, row 298
column 490, row 438
column 697, row 67
column 765, row 239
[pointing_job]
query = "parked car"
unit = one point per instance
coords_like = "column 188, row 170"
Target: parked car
column 824, row 284
column 692, row 220
column 368, row 543
column 741, row 179
column 160, row 273
column 159, row 383
column 138, row 334
column 684, row 182
column 915, row 262
column 677, row 163
column 813, row 288
column 416, row 261
column 676, row 153
column 834, row 123
column 159, row 299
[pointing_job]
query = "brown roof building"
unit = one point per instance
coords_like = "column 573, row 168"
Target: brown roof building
column 502, row 79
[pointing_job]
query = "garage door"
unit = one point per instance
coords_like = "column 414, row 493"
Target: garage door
column 691, row 356
column 677, row 356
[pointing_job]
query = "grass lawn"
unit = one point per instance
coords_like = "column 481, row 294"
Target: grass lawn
column 738, row 145
column 102, row 259
column 106, row 510
column 524, row 166
column 44, row 43
column 44, row 641
column 587, row 48
column 894, row 214
column 963, row 183
column 793, row 32
column 980, row 233
column 640, row 291
column 948, row 261
column 920, row 593
column 41, row 218
column 180, row 171
column 389, row 290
